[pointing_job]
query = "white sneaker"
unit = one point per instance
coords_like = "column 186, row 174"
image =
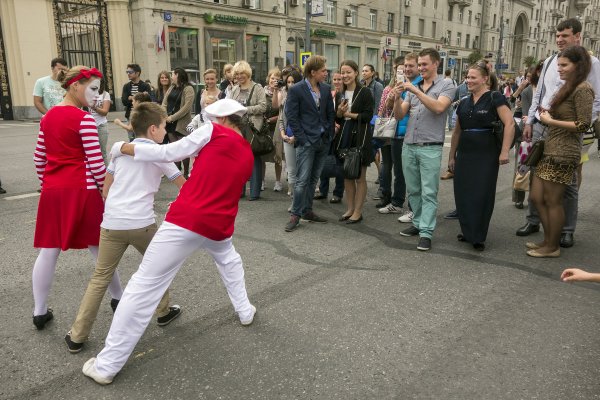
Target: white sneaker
column 390, row 209
column 277, row 187
column 248, row 320
column 406, row 217
column 89, row 370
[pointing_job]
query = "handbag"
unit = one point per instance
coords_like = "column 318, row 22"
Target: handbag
column 535, row 154
column 385, row 128
column 260, row 141
column 522, row 181
column 353, row 156
column 498, row 129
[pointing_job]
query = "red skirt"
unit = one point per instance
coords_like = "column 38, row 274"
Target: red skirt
column 68, row 219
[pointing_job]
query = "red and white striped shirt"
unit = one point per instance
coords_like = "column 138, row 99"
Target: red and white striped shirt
column 67, row 154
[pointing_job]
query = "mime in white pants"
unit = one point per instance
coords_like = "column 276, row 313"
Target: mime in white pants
column 202, row 217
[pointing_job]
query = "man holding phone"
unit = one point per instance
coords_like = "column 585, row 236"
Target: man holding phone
column 427, row 103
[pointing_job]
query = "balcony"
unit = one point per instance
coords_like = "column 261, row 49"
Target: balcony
column 582, row 4
column 557, row 13
column 460, row 3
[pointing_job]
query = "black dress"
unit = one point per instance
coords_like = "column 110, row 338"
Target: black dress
column 476, row 167
column 362, row 104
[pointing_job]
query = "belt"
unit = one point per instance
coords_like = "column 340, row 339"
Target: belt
column 428, row 144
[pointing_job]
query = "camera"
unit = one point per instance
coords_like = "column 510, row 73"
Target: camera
column 280, row 83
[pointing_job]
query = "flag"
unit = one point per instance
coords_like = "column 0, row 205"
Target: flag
column 160, row 39
column 384, row 55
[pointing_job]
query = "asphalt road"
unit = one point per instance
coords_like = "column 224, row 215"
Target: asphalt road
column 343, row 312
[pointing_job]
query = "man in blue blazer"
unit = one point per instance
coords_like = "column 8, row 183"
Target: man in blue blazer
column 310, row 116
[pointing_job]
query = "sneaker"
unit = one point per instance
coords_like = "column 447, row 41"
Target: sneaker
column 40, row 321
column 312, row 217
column 89, row 370
column 451, row 215
column 278, row 187
column 411, row 231
column 250, row 319
column 390, row 209
column 114, row 303
column 406, row 217
column 74, row 347
column 174, row 312
column 424, row 244
column 293, row 223
column 383, row 202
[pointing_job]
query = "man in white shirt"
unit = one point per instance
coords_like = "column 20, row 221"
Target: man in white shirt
column 568, row 33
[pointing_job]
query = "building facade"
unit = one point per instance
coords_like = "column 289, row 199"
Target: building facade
column 199, row 34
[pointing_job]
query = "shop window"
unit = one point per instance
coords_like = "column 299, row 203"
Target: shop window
column 257, row 55
column 353, row 53
column 183, row 48
column 373, row 57
column 332, row 54
column 223, row 52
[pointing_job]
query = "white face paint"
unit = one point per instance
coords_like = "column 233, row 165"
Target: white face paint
column 91, row 92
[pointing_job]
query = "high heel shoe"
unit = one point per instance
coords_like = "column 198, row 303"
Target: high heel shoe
column 354, row 221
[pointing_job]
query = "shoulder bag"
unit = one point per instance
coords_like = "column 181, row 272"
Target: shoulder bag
column 260, row 141
column 498, row 128
column 535, row 154
column 385, row 128
column 353, row 156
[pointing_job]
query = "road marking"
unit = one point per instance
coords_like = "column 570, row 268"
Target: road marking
column 22, row 196
column 17, row 125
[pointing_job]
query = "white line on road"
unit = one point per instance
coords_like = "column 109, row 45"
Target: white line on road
column 22, row 196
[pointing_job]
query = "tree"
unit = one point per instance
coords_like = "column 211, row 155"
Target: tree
column 529, row 61
column 474, row 57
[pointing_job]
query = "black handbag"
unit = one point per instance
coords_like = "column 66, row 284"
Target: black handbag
column 353, row 156
column 498, row 129
column 535, row 154
column 260, row 141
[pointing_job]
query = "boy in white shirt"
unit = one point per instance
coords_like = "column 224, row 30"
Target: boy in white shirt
column 129, row 219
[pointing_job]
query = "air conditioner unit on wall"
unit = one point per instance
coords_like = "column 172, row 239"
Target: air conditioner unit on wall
column 407, row 3
column 249, row 3
column 294, row 3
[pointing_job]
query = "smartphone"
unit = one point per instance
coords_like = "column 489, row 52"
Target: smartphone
column 399, row 75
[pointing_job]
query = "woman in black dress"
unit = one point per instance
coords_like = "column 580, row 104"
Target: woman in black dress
column 354, row 113
column 475, row 154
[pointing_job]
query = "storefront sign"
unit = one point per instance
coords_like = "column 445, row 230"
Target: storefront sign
column 453, row 52
column 414, row 45
column 225, row 19
column 323, row 33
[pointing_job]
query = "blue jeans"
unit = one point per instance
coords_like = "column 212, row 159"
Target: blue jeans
column 399, row 194
column 309, row 164
column 256, row 178
column 421, row 167
column 331, row 169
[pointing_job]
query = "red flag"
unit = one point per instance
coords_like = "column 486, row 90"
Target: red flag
column 384, row 55
column 160, row 39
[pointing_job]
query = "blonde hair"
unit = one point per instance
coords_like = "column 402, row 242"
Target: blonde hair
column 242, row 67
column 226, row 68
column 210, row 71
column 273, row 71
column 66, row 76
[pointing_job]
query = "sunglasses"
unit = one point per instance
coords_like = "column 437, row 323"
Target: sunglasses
column 129, row 72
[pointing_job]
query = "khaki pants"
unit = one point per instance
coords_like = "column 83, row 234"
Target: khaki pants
column 113, row 244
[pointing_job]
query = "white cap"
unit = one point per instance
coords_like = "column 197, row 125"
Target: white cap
column 224, row 108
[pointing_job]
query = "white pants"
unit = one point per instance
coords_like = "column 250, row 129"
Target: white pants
column 166, row 253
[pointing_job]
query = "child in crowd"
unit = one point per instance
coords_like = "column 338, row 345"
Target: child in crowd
column 579, row 275
column 138, row 99
column 129, row 219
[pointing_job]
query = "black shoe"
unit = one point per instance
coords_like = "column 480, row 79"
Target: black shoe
column 74, row 347
column 424, row 244
column 461, row 237
column 479, row 246
column 410, row 231
column 382, row 203
column 113, row 304
column 335, row 200
column 519, row 205
column 567, row 240
column 312, row 217
column 528, row 229
column 451, row 215
column 174, row 312
column 354, row 221
column 319, row 196
column 40, row 320
column 344, row 218
column 293, row 223
column 2, row 191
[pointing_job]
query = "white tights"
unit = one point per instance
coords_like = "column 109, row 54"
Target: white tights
column 43, row 276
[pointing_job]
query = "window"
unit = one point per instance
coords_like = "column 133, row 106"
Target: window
column 493, row 43
column 448, row 37
column 257, row 55
column 406, row 26
column 354, row 15
column 421, row 27
column 183, row 47
column 494, row 21
column 353, row 53
column 460, row 16
column 373, row 57
column 373, row 19
column 390, row 22
column 434, row 30
column 332, row 54
column 450, row 12
column 458, row 38
column 330, row 12
column 476, row 42
column 435, row 4
column 467, row 40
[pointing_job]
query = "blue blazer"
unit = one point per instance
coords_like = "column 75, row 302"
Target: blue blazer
column 307, row 122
